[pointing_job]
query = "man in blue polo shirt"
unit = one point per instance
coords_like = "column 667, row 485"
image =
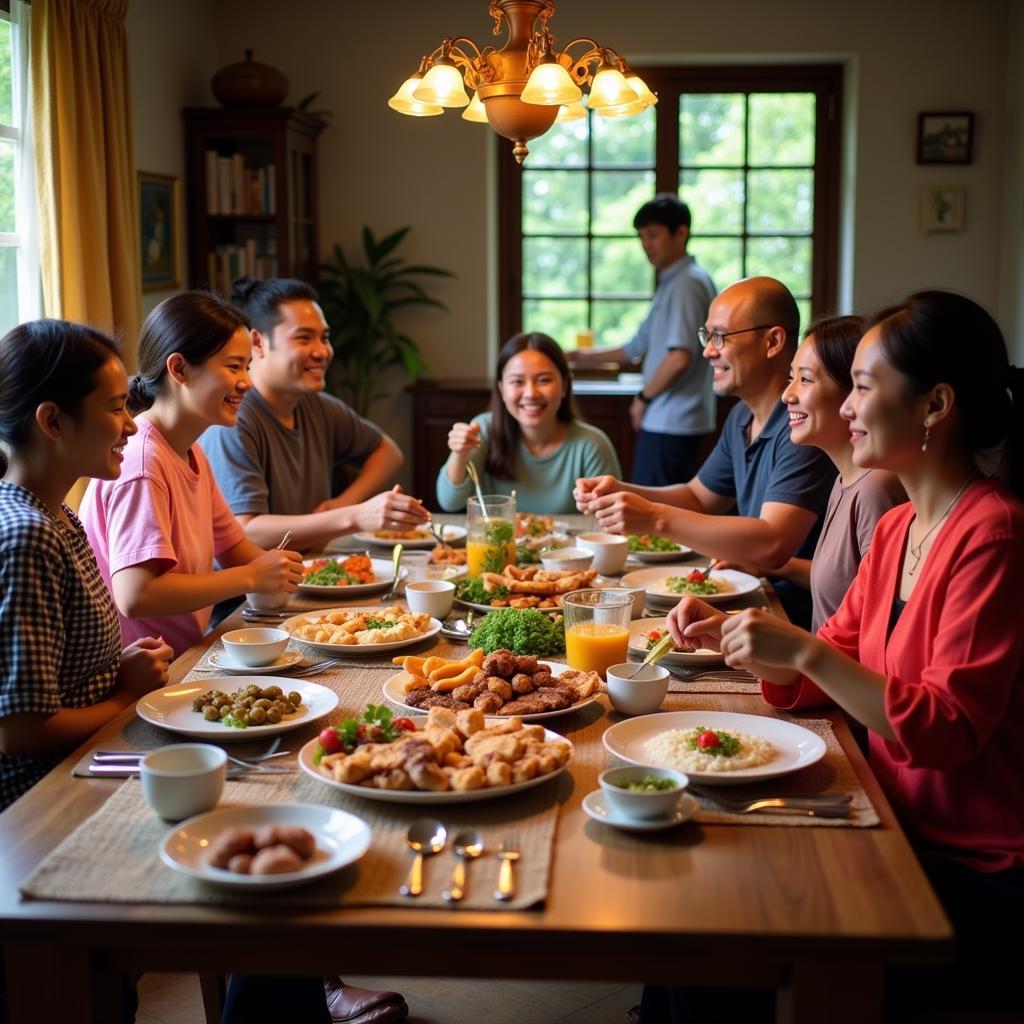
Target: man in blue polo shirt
column 779, row 489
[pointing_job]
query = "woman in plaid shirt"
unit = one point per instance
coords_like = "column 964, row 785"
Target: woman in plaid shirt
column 62, row 671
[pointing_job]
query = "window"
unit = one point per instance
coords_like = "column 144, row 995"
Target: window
column 753, row 151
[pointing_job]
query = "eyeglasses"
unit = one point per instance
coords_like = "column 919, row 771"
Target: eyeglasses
column 716, row 339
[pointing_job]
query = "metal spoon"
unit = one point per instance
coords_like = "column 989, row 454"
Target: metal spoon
column 471, row 470
column 425, row 838
column 396, row 559
column 467, row 846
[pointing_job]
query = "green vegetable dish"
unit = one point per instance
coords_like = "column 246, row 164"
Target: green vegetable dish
column 648, row 542
column 331, row 575
column 520, row 630
column 698, row 588
column 648, row 784
column 471, row 590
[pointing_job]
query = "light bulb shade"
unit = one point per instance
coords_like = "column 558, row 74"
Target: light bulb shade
column 550, row 85
column 623, row 109
column 404, row 103
column 571, row 112
column 639, row 86
column 609, row 89
column 442, row 85
column 476, row 111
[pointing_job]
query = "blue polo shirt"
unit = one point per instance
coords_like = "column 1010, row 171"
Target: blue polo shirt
column 771, row 468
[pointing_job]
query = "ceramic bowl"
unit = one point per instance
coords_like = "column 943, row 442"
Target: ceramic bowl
column 610, row 551
column 255, row 646
column 642, row 804
column 566, row 559
column 267, row 602
column 430, row 597
column 184, row 779
column 642, row 693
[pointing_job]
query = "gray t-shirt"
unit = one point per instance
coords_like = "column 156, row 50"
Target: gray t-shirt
column 845, row 537
column 263, row 467
column 679, row 307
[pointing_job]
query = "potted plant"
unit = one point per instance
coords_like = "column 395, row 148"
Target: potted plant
column 360, row 303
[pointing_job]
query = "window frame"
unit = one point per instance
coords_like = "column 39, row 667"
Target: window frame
column 824, row 80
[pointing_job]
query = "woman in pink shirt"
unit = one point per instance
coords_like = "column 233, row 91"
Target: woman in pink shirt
column 927, row 648
column 159, row 528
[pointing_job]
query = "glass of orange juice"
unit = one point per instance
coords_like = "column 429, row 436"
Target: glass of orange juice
column 596, row 628
column 491, row 537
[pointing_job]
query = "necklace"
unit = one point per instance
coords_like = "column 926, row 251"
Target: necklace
column 918, row 550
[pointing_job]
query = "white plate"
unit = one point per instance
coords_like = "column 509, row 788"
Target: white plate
column 394, row 693
column 171, row 707
column 595, row 806
column 355, row 650
column 453, row 536
column 341, row 839
column 796, row 747
column 687, row 659
column 223, row 662
column 661, row 556
column 412, row 796
column 599, row 581
column 741, row 583
column 383, row 571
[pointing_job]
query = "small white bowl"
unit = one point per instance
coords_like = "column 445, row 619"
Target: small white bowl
column 610, row 551
column 642, row 804
column 267, row 602
column 430, row 597
column 255, row 646
column 433, row 572
column 566, row 559
column 641, row 694
column 184, row 779
column 639, row 598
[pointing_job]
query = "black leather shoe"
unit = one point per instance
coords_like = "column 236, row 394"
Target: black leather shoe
column 351, row 1005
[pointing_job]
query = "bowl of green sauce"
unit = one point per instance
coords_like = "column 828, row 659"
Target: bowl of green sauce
column 642, row 791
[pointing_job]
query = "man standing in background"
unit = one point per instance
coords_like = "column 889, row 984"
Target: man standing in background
column 674, row 411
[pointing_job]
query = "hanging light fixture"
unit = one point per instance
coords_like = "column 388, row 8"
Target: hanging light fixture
column 521, row 89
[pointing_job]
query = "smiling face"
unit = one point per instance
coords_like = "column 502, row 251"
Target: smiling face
column 739, row 366
column 663, row 247
column 532, row 389
column 96, row 436
column 813, row 399
column 886, row 422
column 215, row 389
column 293, row 360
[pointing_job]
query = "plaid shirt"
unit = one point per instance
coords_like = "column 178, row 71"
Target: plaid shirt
column 60, row 645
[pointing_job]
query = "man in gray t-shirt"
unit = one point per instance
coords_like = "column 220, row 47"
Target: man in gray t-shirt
column 674, row 411
column 277, row 466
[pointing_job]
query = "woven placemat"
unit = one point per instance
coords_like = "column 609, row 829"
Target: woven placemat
column 725, row 680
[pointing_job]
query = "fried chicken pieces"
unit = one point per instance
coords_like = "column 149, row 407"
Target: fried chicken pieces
column 456, row 751
column 350, row 628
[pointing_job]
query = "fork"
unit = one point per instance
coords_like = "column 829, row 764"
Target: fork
column 835, row 806
column 508, row 854
column 314, row 668
column 396, row 558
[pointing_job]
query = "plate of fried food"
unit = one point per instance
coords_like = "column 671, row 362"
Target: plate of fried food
column 502, row 684
column 521, row 587
column 361, row 630
column 447, row 757
column 353, row 576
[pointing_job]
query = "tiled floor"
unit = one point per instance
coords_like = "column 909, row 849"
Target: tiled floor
column 174, row 999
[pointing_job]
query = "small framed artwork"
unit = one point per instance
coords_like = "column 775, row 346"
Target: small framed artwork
column 942, row 208
column 158, row 221
column 945, row 138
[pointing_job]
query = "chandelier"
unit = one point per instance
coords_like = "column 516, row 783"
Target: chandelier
column 522, row 89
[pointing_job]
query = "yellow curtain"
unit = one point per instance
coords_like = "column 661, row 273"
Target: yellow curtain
column 89, row 229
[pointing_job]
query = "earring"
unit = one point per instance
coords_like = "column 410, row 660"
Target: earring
column 927, row 437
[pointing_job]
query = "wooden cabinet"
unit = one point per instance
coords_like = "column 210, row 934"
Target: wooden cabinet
column 251, row 194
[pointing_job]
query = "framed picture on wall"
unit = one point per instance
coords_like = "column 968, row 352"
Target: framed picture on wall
column 942, row 208
column 158, row 221
column 945, row 138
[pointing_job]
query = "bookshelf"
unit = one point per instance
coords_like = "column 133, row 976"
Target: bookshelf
column 251, row 194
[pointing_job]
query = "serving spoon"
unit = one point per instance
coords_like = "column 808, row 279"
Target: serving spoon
column 474, row 476
column 468, row 846
column 426, row 836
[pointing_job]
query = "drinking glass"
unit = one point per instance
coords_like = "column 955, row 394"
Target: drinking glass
column 596, row 628
column 491, row 540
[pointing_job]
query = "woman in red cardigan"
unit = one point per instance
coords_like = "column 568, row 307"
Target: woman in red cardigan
column 927, row 648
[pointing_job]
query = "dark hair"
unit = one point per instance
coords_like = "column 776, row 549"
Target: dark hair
column 938, row 337
column 47, row 361
column 835, row 341
column 504, row 436
column 261, row 300
column 195, row 324
column 665, row 208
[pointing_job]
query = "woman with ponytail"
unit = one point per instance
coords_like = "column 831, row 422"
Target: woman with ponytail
column 158, row 529
column 63, row 674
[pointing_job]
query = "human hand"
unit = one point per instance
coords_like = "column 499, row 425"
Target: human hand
column 623, row 512
column 275, row 572
column 637, row 409
column 390, row 510
column 464, row 439
column 761, row 642
column 144, row 666
column 693, row 624
column 590, row 487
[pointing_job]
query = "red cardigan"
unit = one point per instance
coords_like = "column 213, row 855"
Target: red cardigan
column 954, row 670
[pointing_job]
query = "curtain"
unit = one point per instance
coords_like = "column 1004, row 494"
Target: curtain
column 88, row 206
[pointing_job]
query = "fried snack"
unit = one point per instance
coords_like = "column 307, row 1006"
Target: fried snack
column 445, row 555
column 440, row 718
column 348, row 628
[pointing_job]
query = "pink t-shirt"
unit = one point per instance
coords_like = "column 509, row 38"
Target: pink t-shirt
column 165, row 509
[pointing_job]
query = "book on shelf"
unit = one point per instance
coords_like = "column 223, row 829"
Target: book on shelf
column 234, row 189
column 225, row 263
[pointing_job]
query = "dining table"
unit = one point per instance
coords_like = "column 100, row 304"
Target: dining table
column 816, row 913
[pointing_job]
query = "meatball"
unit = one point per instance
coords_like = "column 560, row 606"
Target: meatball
column 526, row 663
column 501, row 687
column 488, row 703
column 543, row 678
column 522, row 683
column 501, row 662
column 467, row 692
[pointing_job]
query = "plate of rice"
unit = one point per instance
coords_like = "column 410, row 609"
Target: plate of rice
column 716, row 748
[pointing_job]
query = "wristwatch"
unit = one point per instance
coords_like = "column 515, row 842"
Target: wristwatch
column 643, row 398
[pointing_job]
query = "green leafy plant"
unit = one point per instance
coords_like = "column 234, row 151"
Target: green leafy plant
column 360, row 303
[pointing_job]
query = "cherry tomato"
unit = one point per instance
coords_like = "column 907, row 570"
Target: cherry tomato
column 407, row 724
column 695, row 577
column 707, row 740
column 330, row 741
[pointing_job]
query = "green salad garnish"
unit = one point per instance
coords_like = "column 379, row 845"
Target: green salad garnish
column 520, row 630
column 471, row 590
column 727, row 745
column 331, row 575
column 648, row 542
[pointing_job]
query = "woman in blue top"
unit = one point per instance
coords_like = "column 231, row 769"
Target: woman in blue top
column 530, row 441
